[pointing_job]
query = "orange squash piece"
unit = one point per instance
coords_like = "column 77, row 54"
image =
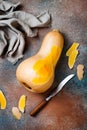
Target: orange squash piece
column 72, row 48
column 22, row 103
column 72, row 54
column 3, row 101
column 72, row 59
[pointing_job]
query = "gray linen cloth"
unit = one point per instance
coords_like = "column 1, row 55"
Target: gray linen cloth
column 12, row 40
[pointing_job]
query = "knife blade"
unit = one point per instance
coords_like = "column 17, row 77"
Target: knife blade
column 54, row 93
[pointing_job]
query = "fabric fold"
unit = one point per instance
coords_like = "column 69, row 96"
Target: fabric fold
column 7, row 6
column 12, row 40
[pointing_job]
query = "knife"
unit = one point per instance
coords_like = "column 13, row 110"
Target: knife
column 54, row 93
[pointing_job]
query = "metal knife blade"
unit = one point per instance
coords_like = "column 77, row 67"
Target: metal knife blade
column 59, row 87
column 57, row 90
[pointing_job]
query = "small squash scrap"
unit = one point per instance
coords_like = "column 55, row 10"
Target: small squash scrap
column 80, row 71
column 3, row 101
column 16, row 113
column 37, row 72
column 22, row 103
column 72, row 54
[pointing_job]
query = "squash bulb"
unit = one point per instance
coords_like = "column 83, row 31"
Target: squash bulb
column 37, row 72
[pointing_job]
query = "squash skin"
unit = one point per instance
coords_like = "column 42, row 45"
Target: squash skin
column 31, row 72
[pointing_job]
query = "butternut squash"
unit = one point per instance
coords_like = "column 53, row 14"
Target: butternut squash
column 37, row 72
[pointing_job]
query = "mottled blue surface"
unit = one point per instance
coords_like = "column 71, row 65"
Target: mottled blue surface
column 68, row 110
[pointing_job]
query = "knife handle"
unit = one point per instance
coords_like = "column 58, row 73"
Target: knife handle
column 38, row 108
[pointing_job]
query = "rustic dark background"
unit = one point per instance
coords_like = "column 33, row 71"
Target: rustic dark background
column 68, row 110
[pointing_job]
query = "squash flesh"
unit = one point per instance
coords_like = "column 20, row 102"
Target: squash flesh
column 80, row 71
column 72, row 48
column 3, row 101
column 72, row 54
column 72, row 59
column 22, row 103
column 44, row 67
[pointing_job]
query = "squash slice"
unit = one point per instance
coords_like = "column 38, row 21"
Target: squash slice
column 72, row 59
column 3, row 101
column 80, row 71
column 72, row 48
column 16, row 113
column 22, row 103
column 72, row 54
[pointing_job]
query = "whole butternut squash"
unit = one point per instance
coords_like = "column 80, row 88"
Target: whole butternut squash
column 37, row 72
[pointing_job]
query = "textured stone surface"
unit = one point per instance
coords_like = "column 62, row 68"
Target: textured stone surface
column 68, row 110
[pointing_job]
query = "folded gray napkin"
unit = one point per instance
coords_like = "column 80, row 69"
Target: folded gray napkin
column 12, row 40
